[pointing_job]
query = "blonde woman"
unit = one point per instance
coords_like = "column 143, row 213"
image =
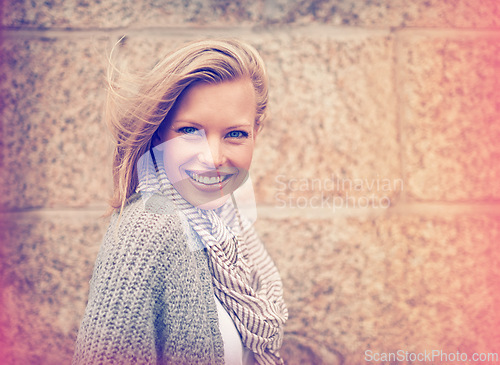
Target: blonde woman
column 181, row 277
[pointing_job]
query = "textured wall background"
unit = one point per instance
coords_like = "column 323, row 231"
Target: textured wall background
column 377, row 175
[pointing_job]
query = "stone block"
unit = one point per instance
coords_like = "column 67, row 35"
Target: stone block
column 352, row 284
column 128, row 14
column 46, row 266
column 449, row 88
column 55, row 148
column 397, row 13
column 389, row 283
column 116, row 13
column 332, row 131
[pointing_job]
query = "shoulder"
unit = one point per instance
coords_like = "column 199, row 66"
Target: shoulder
column 140, row 245
column 146, row 217
column 145, row 228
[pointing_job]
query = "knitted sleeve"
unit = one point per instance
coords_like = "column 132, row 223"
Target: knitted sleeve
column 128, row 294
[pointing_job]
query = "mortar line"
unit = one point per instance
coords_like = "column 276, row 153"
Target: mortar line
column 317, row 30
column 398, row 89
column 428, row 209
column 449, row 31
column 314, row 29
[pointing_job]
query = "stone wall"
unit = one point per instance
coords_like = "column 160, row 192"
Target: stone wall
column 377, row 174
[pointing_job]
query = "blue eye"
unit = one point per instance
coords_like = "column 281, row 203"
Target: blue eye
column 237, row 134
column 187, row 130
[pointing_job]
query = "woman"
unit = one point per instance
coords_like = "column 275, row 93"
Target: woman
column 181, row 277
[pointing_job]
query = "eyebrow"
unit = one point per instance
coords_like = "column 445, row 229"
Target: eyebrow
column 180, row 121
column 198, row 125
column 240, row 126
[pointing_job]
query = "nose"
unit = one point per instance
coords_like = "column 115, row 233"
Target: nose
column 212, row 155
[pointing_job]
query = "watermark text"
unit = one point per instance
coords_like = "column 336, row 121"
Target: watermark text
column 335, row 192
column 430, row 356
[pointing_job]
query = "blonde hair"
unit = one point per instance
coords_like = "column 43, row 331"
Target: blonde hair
column 133, row 116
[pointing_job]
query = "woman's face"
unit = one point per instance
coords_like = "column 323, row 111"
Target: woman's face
column 210, row 137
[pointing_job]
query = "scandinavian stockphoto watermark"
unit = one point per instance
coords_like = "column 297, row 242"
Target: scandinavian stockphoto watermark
column 433, row 356
column 335, row 192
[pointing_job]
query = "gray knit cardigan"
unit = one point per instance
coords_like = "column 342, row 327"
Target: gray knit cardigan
column 151, row 299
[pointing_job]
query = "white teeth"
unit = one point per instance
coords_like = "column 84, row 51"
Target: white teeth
column 206, row 180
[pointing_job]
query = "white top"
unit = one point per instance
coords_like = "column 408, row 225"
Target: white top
column 235, row 353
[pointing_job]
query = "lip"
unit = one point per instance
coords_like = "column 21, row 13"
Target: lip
column 209, row 181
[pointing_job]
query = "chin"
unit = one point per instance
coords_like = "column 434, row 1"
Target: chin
column 213, row 204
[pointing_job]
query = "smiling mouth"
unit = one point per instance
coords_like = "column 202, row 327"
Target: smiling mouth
column 207, row 179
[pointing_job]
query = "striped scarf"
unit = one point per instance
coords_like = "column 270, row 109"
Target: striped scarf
column 244, row 278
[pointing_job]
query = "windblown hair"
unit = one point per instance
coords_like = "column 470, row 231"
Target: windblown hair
column 134, row 116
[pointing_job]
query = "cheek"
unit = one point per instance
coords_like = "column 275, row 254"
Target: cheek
column 241, row 156
column 176, row 154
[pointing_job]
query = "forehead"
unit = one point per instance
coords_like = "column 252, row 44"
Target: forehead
column 232, row 99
